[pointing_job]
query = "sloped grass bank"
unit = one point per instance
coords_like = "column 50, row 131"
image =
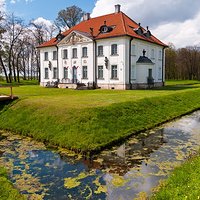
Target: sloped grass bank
column 183, row 183
column 91, row 129
column 7, row 191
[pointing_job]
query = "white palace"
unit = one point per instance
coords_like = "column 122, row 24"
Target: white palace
column 109, row 52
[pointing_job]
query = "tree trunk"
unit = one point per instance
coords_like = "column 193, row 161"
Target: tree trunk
column 4, row 69
column 13, row 66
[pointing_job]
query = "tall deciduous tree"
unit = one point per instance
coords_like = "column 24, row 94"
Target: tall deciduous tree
column 69, row 17
column 41, row 32
column 2, row 30
column 14, row 30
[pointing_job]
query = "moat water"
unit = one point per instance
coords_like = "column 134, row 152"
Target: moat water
column 124, row 172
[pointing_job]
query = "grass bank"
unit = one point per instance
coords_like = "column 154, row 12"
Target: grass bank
column 7, row 191
column 22, row 82
column 183, row 183
column 92, row 120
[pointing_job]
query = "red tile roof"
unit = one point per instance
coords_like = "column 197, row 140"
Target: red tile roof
column 122, row 24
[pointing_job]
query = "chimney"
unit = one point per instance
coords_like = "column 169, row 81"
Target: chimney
column 117, row 8
column 86, row 16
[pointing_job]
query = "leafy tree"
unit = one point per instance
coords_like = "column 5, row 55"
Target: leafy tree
column 69, row 17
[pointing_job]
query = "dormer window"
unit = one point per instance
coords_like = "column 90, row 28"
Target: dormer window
column 60, row 36
column 139, row 30
column 105, row 29
column 147, row 33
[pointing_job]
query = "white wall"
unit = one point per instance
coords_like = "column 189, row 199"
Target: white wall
column 138, row 74
column 120, row 60
column 78, row 62
column 45, row 64
column 157, row 67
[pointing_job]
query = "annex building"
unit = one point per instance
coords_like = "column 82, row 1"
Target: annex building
column 109, row 52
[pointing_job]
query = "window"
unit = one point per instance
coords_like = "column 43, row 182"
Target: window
column 55, row 55
column 150, row 73
column 74, row 53
column 84, row 52
column 159, row 73
column 100, row 72
column 65, row 54
column 85, row 72
column 152, row 54
column 133, row 72
column 55, row 73
column 65, row 72
column 100, row 50
column 114, row 72
column 46, row 56
column 160, row 55
column 104, row 29
column 114, row 49
column 133, row 51
column 46, row 73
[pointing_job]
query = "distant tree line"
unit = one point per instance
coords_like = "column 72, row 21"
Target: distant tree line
column 19, row 57
column 183, row 63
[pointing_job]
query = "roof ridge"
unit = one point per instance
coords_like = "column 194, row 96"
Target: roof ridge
column 123, row 22
column 130, row 18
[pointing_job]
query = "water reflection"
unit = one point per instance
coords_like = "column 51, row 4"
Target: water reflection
column 120, row 173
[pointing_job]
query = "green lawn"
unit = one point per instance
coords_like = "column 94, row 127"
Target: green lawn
column 184, row 182
column 93, row 119
column 7, row 191
column 182, row 82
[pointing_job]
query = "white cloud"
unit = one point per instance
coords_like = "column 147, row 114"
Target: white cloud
column 13, row 1
column 42, row 21
column 17, row 1
column 2, row 5
column 28, row 1
column 181, row 34
column 173, row 21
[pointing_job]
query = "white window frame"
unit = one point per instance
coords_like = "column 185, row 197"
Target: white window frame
column 46, row 73
column 65, row 53
column 100, row 72
column 114, row 49
column 74, row 53
column 114, row 72
column 100, row 50
column 55, row 55
column 55, row 72
column 84, row 72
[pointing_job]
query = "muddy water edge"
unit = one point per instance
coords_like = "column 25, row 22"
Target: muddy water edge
column 124, row 172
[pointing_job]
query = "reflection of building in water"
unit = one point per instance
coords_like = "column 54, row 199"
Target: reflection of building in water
column 130, row 154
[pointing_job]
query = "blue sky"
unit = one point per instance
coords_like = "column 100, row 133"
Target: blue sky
column 48, row 9
column 172, row 21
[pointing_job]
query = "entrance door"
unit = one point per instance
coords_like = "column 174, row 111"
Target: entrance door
column 150, row 73
column 74, row 75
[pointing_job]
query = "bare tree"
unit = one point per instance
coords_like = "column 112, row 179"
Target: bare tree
column 41, row 32
column 183, row 63
column 69, row 17
column 2, row 30
column 14, row 29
